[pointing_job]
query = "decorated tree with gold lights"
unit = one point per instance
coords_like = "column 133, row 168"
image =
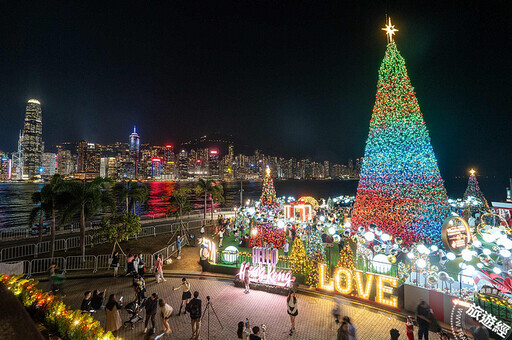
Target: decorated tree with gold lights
column 473, row 189
column 268, row 199
column 298, row 259
column 313, row 271
column 346, row 260
column 400, row 187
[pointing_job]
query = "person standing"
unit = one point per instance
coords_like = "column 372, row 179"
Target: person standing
column 194, row 310
column 422, row 317
column 257, row 333
column 221, row 237
column 351, row 330
column 178, row 246
column 165, row 313
column 140, row 265
column 479, row 332
column 410, row 328
column 151, row 306
column 286, row 247
column 112, row 308
column 202, row 233
column 292, row 309
column 246, row 280
column 115, row 263
column 51, row 277
column 86, row 303
column 136, row 264
column 129, row 264
column 185, row 297
column 159, row 273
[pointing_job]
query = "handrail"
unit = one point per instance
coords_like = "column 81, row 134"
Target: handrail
column 36, row 249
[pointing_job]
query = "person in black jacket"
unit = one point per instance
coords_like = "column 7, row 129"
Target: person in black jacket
column 86, row 303
column 194, row 309
column 151, row 305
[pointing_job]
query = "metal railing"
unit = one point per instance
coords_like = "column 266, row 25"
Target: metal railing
column 92, row 263
column 19, row 233
column 36, row 249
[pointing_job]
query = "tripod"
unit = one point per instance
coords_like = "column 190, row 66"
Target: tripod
column 207, row 308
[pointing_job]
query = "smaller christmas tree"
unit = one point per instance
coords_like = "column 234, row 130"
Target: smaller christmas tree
column 268, row 200
column 298, row 259
column 473, row 189
column 346, row 260
column 314, row 243
column 314, row 272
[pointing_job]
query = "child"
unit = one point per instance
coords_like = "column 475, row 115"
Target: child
column 410, row 328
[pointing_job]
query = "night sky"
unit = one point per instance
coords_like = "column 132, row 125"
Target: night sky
column 292, row 78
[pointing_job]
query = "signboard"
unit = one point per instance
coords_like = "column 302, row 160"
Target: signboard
column 456, row 234
column 345, row 280
column 264, row 261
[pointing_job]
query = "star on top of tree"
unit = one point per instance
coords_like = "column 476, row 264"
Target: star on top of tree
column 390, row 30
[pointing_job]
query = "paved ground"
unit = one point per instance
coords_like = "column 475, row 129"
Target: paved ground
column 313, row 322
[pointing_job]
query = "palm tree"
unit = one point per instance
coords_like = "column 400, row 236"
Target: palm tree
column 204, row 187
column 216, row 195
column 180, row 204
column 86, row 200
column 49, row 199
column 132, row 193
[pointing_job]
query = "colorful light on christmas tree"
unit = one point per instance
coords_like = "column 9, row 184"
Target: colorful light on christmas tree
column 298, row 259
column 400, row 188
column 268, row 200
column 473, row 189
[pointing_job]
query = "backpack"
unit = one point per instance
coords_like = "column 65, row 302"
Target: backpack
column 193, row 309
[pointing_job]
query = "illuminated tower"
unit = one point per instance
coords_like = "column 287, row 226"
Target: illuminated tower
column 134, row 149
column 32, row 146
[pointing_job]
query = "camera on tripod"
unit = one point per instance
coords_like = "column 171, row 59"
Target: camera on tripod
column 208, row 298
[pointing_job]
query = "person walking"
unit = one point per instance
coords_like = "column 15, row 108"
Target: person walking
column 286, row 247
column 351, row 330
column 342, row 332
column 292, row 309
column 165, row 313
column 51, row 276
column 115, row 263
column 246, row 280
column 112, row 308
column 159, row 273
column 194, row 310
column 423, row 319
column 185, row 297
column 178, row 246
column 151, row 306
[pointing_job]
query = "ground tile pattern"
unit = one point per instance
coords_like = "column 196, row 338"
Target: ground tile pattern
column 314, row 322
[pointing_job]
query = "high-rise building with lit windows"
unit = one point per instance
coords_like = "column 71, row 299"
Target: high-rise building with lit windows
column 135, row 149
column 32, row 139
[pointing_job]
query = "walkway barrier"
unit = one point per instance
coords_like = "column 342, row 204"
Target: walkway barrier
column 37, row 249
column 19, row 233
column 78, row 263
column 39, row 266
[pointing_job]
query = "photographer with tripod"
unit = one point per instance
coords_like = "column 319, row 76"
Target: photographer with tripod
column 194, row 309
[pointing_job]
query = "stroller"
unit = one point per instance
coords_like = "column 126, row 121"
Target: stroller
column 133, row 309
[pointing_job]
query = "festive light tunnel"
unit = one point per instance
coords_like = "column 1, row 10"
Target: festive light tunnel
column 400, row 188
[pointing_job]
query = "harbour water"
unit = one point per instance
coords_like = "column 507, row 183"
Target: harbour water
column 16, row 203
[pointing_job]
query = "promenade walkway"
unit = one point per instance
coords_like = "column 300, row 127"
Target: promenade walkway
column 314, row 322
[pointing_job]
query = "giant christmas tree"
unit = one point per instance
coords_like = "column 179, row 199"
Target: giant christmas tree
column 473, row 189
column 400, row 188
column 268, row 199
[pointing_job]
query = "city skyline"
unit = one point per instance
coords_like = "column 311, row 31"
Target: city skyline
column 260, row 75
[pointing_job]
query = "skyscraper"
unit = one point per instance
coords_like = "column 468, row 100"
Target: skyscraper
column 134, row 149
column 32, row 146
